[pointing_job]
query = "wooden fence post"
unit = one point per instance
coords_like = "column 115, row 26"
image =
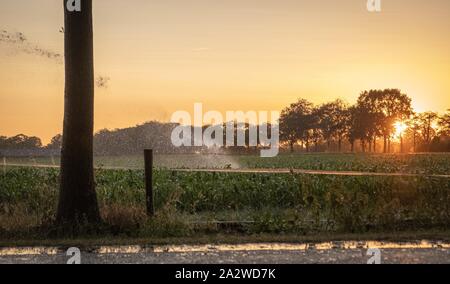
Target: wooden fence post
column 148, row 157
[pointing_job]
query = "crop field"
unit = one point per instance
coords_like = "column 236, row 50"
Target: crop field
column 438, row 164
column 379, row 163
column 250, row 203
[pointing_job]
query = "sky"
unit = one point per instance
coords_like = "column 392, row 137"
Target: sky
column 163, row 56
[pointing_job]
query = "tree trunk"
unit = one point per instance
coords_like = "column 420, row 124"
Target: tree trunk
column 340, row 145
column 78, row 200
column 385, row 144
column 414, row 142
column 401, row 143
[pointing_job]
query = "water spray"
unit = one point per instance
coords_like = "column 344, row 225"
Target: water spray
column 4, row 165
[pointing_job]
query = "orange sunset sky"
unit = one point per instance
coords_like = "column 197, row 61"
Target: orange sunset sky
column 164, row 55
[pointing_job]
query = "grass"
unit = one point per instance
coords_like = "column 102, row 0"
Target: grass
column 189, row 204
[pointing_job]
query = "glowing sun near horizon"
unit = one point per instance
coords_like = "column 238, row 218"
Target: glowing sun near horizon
column 400, row 128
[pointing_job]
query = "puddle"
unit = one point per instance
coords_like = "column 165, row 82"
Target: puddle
column 230, row 248
column 29, row 251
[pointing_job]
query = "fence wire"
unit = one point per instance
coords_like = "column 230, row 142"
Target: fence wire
column 244, row 171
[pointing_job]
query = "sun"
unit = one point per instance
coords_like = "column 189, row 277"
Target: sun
column 400, row 128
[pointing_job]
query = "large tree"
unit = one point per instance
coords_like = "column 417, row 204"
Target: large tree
column 295, row 123
column 444, row 124
column 413, row 130
column 78, row 200
column 396, row 107
column 360, row 126
column 386, row 107
column 427, row 122
column 371, row 118
column 333, row 118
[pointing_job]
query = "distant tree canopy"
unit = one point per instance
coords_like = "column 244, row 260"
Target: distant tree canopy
column 55, row 143
column 20, row 142
column 133, row 140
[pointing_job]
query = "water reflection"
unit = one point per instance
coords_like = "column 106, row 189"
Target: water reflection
column 230, row 248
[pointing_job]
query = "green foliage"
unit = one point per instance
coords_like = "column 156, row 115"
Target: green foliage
column 381, row 163
column 277, row 203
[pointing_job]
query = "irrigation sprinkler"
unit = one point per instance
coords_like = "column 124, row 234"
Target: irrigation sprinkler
column 148, row 158
column 4, row 165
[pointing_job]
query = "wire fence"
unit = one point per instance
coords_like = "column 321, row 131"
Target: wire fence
column 240, row 171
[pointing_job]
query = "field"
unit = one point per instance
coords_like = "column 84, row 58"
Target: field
column 438, row 164
column 192, row 203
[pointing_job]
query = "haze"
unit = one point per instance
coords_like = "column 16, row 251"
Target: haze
column 164, row 56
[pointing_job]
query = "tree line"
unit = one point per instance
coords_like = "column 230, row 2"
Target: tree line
column 372, row 124
column 379, row 118
column 127, row 141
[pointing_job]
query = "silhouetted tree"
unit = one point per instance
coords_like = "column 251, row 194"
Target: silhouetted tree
column 352, row 125
column 314, row 127
column 3, row 142
column 385, row 107
column 444, row 124
column 426, row 121
column 371, row 121
column 55, row 143
column 413, row 130
column 20, row 142
column 288, row 128
column 360, row 126
column 334, row 121
column 295, row 123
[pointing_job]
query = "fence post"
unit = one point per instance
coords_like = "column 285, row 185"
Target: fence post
column 148, row 158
